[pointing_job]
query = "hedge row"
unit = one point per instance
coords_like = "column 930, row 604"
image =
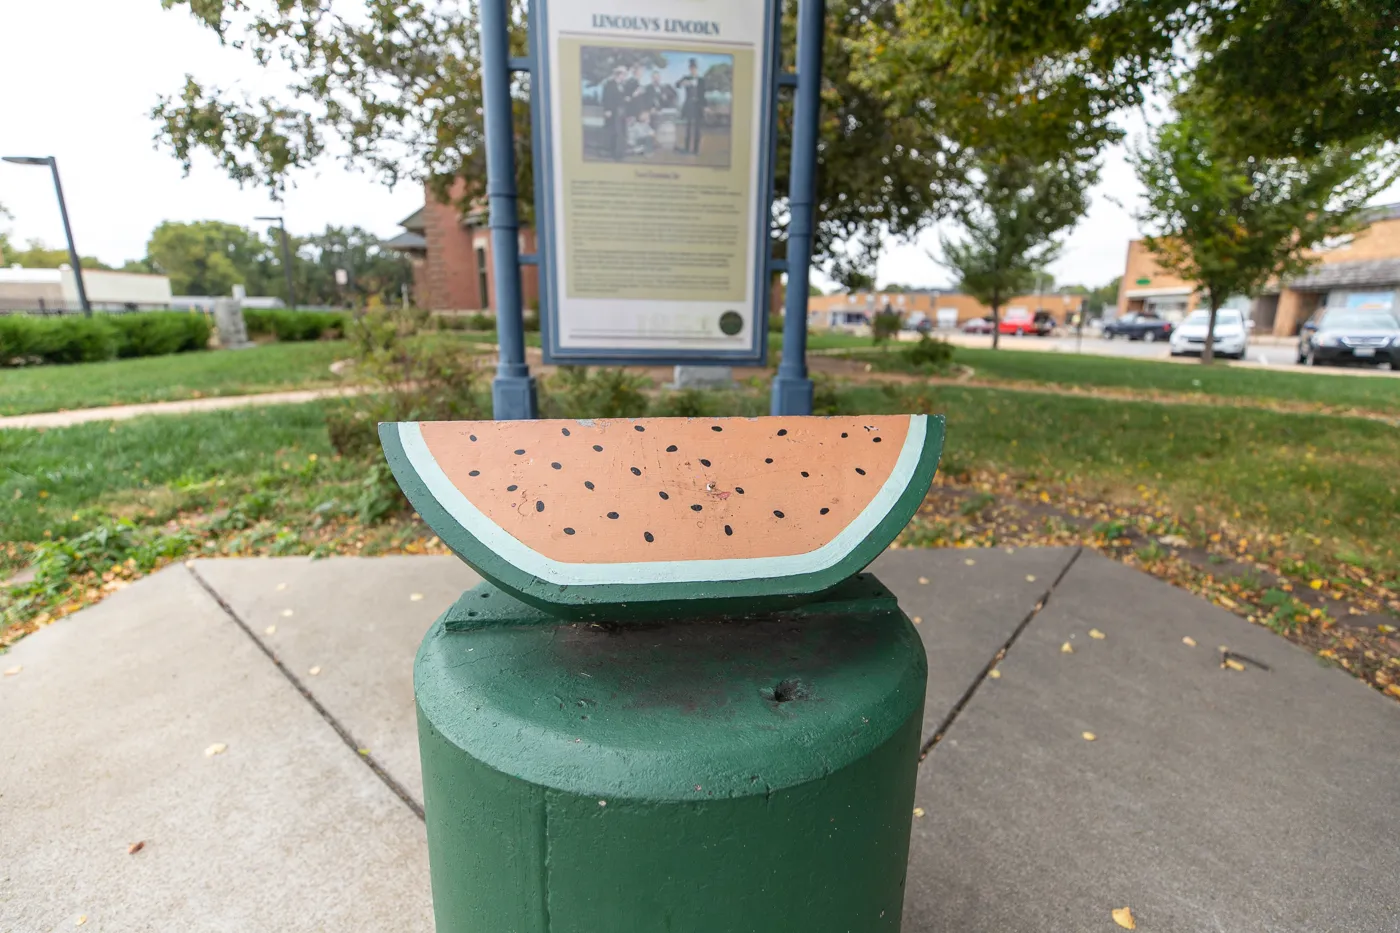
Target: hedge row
column 294, row 325
column 28, row 340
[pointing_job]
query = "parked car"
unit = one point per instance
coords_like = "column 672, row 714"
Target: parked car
column 1044, row 324
column 1147, row 327
column 978, row 325
column 1017, row 321
column 1231, row 334
column 1343, row 335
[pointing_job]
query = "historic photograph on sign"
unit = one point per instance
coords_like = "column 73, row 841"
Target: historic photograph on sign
column 657, row 106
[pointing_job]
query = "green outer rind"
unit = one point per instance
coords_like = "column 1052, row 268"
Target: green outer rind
column 628, row 601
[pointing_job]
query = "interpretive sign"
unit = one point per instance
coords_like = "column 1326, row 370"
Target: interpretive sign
column 653, row 124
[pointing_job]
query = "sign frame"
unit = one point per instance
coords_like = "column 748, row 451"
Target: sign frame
column 769, row 79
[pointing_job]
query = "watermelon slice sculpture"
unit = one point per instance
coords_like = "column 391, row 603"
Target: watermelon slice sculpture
column 619, row 519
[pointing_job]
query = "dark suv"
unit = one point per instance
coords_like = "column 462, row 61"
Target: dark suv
column 1147, row 327
column 1344, row 335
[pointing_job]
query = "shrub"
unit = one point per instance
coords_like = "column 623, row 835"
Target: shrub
column 156, row 333
column 294, row 326
column 929, row 353
column 26, row 340
column 884, row 325
column 577, row 392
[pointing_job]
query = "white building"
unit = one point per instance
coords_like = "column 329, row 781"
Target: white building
column 57, row 290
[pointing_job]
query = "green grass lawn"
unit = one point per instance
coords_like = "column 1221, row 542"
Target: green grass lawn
column 1221, row 380
column 265, row 368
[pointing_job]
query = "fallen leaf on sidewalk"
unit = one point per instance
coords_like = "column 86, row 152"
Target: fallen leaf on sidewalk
column 281, row 586
column 969, row 562
column 918, row 619
column 415, row 597
column 82, row 918
column 12, row 671
column 1030, row 578
column 1188, row 641
column 315, row 670
column 1233, row 665
column 1066, row 648
column 919, row 812
column 923, row 579
column 1089, row 736
column 135, row 847
column 270, row 630
column 1095, row 633
column 994, row 674
column 286, row 613
column 1123, row 916
column 218, row 748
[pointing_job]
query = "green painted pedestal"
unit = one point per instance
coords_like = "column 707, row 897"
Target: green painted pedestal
column 705, row 777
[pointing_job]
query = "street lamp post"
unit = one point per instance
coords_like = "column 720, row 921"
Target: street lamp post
column 286, row 258
column 73, row 260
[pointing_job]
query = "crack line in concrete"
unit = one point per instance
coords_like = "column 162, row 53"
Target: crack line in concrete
column 309, row 697
column 966, row 698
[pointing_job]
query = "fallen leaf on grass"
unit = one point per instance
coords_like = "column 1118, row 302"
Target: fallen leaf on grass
column 12, row 671
column 415, row 597
column 1174, row 541
column 1089, row 736
column 1095, row 633
column 919, row 812
column 135, row 847
column 1066, row 648
column 1393, row 690
column 218, row 748
column 1123, row 916
column 1188, row 641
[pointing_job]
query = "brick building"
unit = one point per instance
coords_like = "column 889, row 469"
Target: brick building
column 1360, row 268
column 451, row 255
column 945, row 309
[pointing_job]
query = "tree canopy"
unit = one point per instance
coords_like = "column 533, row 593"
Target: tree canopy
column 1232, row 223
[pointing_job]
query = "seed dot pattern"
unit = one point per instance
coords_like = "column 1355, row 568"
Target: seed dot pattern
column 733, row 488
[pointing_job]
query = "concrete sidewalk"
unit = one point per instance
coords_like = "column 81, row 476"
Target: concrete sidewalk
column 251, row 722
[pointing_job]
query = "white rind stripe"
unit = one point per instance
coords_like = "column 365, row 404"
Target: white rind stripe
column 525, row 558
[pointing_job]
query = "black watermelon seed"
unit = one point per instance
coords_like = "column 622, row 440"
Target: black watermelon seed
column 636, row 472
column 598, row 447
column 767, row 459
column 844, row 434
column 612, row 515
column 588, row 484
column 782, row 433
column 647, row 535
column 860, row 471
column 556, row 465
column 824, row 511
column 568, row 531
column 512, row 488
column 805, row 473
column 728, row 530
column 474, row 473
column 664, row 496
column 539, row 505
column 696, row 508
column 716, row 428
column 877, row 440
column 704, row 463
column 739, row 490
column 671, row 449
column 638, row 427
column 566, row 431
column 472, row 437
column 777, row 513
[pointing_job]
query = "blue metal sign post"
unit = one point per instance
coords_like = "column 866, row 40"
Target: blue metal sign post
column 555, row 143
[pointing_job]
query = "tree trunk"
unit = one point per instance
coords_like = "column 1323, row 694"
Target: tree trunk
column 996, row 324
column 1208, row 351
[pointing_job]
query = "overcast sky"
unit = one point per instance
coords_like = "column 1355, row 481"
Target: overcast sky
column 81, row 79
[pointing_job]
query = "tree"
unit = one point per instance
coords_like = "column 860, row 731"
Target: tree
column 1012, row 213
column 399, row 85
column 209, row 257
column 36, row 255
column 1232, row 223
column 374, row 275
column 1078, row 63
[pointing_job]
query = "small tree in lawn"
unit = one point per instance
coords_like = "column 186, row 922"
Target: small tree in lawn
column 1010, row 216
column 1232, row 223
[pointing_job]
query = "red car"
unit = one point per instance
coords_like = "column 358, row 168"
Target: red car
column 1020, row 322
